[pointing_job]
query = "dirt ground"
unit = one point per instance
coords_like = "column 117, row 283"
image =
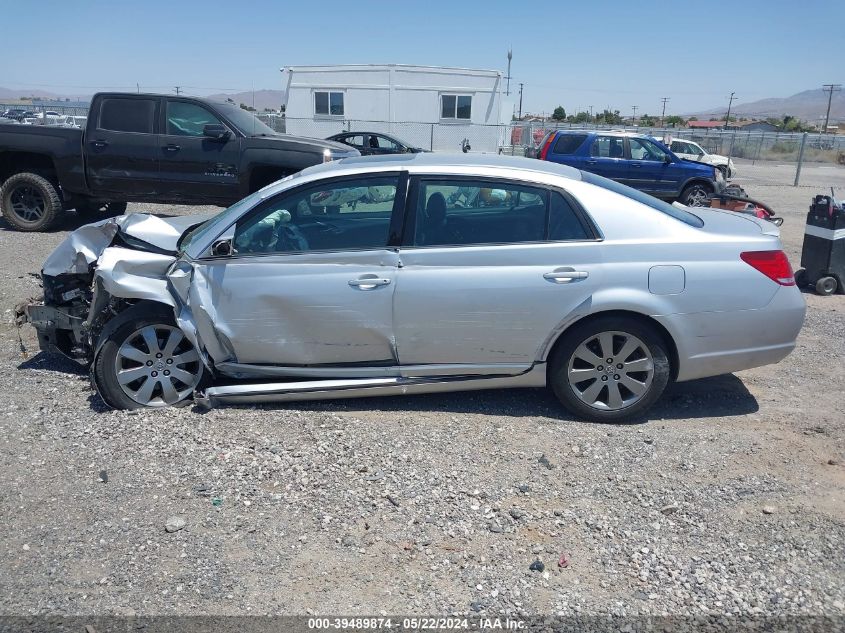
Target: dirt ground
column 730, row 499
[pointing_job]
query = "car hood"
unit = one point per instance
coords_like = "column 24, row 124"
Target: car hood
column 303, row 143
column 137, row 231
column 698, row 164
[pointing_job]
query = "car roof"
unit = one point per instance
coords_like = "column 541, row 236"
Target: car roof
column 619, row 133
column 445, row 161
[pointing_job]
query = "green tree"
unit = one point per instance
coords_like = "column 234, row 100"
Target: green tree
column 675, row 121
column 559, row 114
column 647, row 121
column 582, row 117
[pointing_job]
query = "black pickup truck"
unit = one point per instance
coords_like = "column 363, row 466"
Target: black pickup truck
column 146, row 148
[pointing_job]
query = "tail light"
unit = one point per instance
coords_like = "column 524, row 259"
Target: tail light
column 546, row 145
column 773, row 264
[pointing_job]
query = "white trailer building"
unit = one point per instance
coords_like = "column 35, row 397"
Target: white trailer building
column 428, row 106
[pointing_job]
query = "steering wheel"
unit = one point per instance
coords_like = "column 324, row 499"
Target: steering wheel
column 290, row 239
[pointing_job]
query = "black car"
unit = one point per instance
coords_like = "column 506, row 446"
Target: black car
column 375, row 143
column 17, row 114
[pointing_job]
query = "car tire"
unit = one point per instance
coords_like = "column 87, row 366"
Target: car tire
column 826, row 286
column 145, row 360
column 30, row 202
column 106, row 209
column 621, row 390
column 696, row 195
column 800, row 278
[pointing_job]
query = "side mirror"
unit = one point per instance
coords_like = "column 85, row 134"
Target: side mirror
column 667, row 158
column 216, row 131
column 222, row 248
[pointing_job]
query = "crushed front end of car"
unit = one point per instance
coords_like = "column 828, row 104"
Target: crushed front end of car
column 96, row 273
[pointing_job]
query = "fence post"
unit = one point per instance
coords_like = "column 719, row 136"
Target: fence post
column 800, row 159
column 731, row 149
column 431, row 138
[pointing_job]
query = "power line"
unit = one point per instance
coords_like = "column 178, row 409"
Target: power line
column 634, row 108
column 830, row 89
column 520, row 100
column 178, row 89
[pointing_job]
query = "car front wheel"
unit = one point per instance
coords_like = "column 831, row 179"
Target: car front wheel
column 610, row 369
column 146, row 361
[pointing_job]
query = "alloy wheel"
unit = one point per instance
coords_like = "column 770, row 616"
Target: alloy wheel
column 157, row 366
column 28, row 203
column 610, row 370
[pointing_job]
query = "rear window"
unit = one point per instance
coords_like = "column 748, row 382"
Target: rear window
column 568, row 143
column 128, row 115
column 650, row 201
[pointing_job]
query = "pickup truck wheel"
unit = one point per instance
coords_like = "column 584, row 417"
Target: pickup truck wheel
column 146, row 361
column 30, row 202
column 696, row 195
column 107, row 209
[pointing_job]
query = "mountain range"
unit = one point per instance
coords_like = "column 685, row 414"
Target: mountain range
column 809, row 105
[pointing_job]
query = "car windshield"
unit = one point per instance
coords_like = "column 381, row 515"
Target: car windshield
column 245, row 120
column 650, row 201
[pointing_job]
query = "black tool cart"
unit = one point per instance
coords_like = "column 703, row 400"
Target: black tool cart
column 823, row 253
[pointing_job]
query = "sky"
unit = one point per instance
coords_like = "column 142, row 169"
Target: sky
column 574, row 54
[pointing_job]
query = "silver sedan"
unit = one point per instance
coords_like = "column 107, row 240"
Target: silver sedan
column 421, row 273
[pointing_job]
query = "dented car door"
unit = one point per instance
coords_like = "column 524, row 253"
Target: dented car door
column 309, row 283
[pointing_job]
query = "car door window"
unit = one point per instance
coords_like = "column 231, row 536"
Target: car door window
column 355, row 140
column 188, row 119
column 644, row 150
column 564, row 223
column 127, row 115
column 607, row 147
column 349, row 214
column 385, row 143
column 468, row 212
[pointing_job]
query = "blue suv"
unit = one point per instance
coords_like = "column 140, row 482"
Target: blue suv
column 634, row 160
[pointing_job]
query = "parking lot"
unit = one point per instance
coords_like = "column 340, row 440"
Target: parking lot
column 729, row 499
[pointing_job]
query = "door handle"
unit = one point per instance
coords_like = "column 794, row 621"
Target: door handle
column 636, row 165
column 100, row 144
column 171, row 148
column 592, row 162
column 565, row 275
column 368, row 282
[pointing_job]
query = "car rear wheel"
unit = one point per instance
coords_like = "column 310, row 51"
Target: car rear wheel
column 610, row 369
column 30, row 202
column 696, row 195
column 146, row 361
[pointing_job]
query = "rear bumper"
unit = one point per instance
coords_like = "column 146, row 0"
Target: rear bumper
column 714, row 343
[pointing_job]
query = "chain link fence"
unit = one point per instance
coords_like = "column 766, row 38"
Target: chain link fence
column 766, row 157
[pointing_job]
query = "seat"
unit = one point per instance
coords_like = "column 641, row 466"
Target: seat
column 435, row 230
column 616, row 150
column 373, row 142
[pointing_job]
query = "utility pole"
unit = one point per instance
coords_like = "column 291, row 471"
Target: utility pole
column 138, row 87
column 591, row 114
column 829, row 88
column 508, row 89
column 520, row 100
column 663, row 115
column 178, row 89
column 634, row 119
column 728, row 115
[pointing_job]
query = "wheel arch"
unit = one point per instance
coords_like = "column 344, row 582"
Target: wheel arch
column 127, row 315
column 671, row 347
column 14, row 162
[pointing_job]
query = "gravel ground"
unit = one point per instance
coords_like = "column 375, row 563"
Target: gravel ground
column 729, row 500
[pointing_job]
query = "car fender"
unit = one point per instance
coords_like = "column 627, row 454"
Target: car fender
column 131, row 274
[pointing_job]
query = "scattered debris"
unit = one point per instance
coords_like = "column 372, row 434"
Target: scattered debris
column 563, row 561
column 174, row 524
column 672, row 508
column 104, row 477
column 545, row 462
column 537, row 565
column 768, row 509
